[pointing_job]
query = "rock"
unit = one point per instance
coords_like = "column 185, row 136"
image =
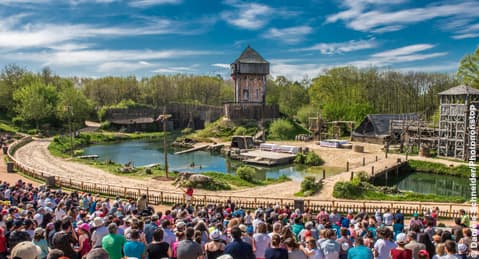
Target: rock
column 199, row 178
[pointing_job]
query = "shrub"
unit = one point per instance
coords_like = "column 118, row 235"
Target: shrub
column 105, row 125
column 310, row 186
column 186, row 131
column 240, row 131
column 246, row 173
column 312, row 159
column 348, row 190
column 299, row 159
column 282, row 129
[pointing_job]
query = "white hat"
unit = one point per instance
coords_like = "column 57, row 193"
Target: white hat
column 98, row 222
column 401, row 238
column 462, row 248
column 26, row 250
column 215, row 235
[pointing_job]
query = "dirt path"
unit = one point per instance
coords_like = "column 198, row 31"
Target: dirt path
column 36, row 155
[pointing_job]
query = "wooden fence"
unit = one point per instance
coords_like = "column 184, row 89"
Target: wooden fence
column 447, row 210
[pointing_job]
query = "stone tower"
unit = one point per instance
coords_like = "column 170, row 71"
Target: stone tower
column 249, row 72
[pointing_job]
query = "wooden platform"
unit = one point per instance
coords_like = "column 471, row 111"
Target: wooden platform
column 268, row 158
column 192, row 149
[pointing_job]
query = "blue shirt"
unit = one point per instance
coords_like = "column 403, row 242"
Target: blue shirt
column 360, row 252
column 240, row 250
column 149, row 229
column 134, row 249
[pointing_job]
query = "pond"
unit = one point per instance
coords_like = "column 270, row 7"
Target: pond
column 142, row 152
column 429, row 183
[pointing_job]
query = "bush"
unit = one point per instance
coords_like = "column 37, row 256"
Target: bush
column 246, row 173
column 299, row 159
column 312, row 159
column 186, row 131
column 282, row 129
column 240, row 131
column 347, row 190
column 310, row 186
column 105, row 125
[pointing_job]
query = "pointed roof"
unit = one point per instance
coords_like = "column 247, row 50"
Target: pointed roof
column 460, row 90
column 250, row 55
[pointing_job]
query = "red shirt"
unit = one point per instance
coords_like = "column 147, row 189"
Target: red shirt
column 189, row 191
column 401, row 254
column 3, row 244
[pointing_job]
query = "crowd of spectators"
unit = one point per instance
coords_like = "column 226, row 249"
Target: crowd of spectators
column 36, row 222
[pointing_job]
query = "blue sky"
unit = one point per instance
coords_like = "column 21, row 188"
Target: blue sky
column 299, row 38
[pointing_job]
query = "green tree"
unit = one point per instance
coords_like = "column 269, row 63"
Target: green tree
column 282, row 129
column 73, row 105
column 468, row 72
column 292, row 98
column 10, row 80
column 35, row 102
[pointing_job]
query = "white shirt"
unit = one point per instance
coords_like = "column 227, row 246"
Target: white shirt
column 98, row 235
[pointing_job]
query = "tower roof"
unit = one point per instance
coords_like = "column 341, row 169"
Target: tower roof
column 250, row 55
column 460, row 90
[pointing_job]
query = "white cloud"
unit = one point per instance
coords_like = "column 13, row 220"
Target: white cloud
column 341, row 47
column 296, row 71
column 250, row 15
column 20, row 2
column 289, row 35
column 13, row 36
column 174, row 70
column 148, row 3
column 97, row 57
column 225, row 66
column 399, row 55
column 366, row 16
column 446, row 67
column 123, row 67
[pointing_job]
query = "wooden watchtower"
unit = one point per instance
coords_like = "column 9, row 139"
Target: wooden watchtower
column 454, row 130
column 249, row 72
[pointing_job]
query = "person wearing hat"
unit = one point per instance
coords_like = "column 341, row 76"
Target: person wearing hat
column 84, row 239
column 100, row 231
column 400, row 252
column 97, row 253
column 463, row 251
column 215, row 248
column 40, row 241
column 423, row 254
column 25, row 250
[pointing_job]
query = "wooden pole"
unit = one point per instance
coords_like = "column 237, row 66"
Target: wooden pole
column 324, row 173
column 347, row 166
column 165, row 147
column 352, row 175
column 364, row 161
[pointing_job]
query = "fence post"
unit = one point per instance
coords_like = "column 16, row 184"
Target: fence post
column 161, row 197
column 70, row 182
column 372, row 170
column 81, row 184
column 324, row 173
column 376, row 158
column 352, row 175
column 347, row 166
column 124, row 192
column 147, row 193
column 364, row 161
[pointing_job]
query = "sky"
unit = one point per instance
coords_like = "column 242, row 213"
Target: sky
column 96, row 38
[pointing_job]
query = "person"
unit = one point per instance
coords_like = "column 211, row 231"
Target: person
column 188, row 249
column 142, row 203
column 55, row 254
column 158, row 248
column 113, row 243
column 237, row 248
column 84, row 239
column 440, row 251
column 359, row 251
column 65, row 239
column 39, row 240
column 329, row 247
column 150, row 227
column 413, row 245
column 100, row 231
column 97, row 253
column 261, row 241
column 451, row 252
column 134, row 247
column 423, row 254
column 423, row 238
column 465, row 221
column 189, row 194
column 294, row 251
column 400, row 252
column 388, row 217
column 276, row 251
column 462, row 251
column 457, row 229
column 311, row 250
column 25, row 250
column 215, row 248
column 384, row 245
column 344, row 243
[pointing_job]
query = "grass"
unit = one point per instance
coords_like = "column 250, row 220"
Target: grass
column 235, row 181
column 410, row 196
column 438, row 168
column 6, row 127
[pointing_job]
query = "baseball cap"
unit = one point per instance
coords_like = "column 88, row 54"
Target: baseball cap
column 401, row 238
column 26, row 250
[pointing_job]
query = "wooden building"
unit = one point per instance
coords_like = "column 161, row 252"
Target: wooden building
column 249, row 72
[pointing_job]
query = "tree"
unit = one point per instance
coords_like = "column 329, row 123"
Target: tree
column 73, row 105
column 468, row 72
column 35, row 102
column 10, row 80
column 292, row 98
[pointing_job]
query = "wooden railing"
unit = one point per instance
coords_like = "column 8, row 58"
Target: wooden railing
column 447, row 210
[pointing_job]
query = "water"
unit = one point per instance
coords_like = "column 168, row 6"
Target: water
column 430, row 183
column 142, row 152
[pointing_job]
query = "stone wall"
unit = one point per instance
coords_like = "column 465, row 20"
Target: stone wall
column 251, row 111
